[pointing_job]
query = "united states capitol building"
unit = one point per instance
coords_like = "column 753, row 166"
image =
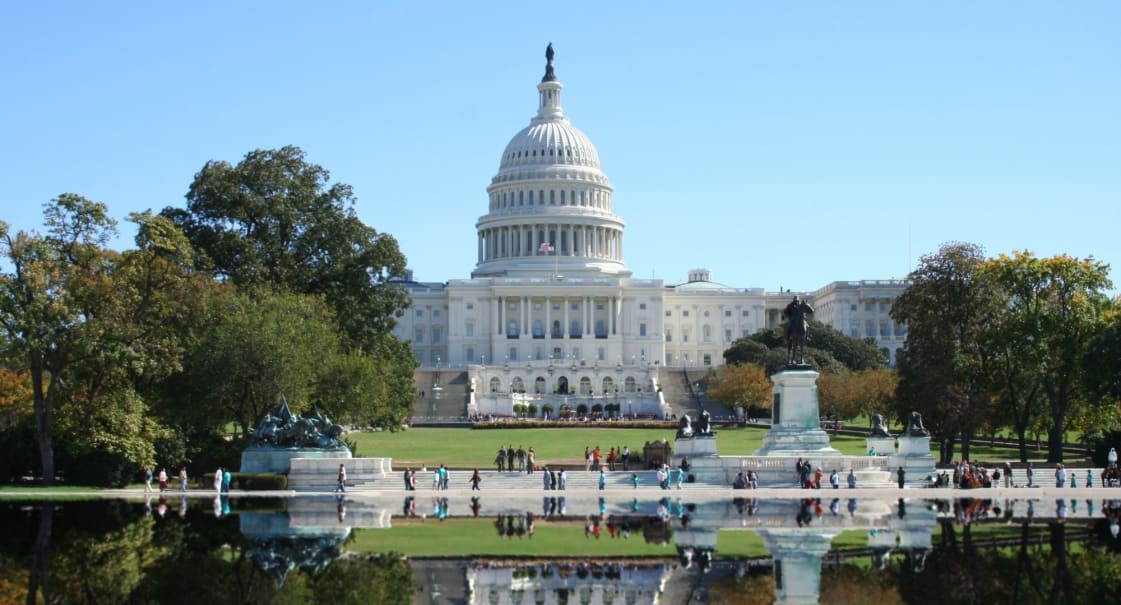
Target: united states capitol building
column 551, row 307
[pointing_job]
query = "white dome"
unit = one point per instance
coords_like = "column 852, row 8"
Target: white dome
column 549, row 143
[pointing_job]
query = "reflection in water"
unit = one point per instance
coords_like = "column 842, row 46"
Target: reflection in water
column 303, row 550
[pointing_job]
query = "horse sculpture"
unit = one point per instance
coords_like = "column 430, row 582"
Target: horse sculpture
column 796, row 328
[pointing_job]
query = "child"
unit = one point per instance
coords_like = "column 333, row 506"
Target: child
column 634, row 480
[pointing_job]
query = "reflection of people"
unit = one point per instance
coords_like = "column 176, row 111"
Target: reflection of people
column 795, row 315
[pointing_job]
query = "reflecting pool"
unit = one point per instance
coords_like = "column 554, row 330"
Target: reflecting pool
column 555, row 550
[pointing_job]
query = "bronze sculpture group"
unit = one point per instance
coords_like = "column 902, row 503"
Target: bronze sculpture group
column 282, row 428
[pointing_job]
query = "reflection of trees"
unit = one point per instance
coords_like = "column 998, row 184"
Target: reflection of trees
column 109, row 552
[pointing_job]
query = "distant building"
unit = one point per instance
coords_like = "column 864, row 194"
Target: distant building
column 551, row 295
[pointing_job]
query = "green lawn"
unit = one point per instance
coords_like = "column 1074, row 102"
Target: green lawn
column 479, row 537
column 465, row 448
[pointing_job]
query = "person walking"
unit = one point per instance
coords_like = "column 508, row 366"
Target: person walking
column 626, row 458
column 634, row 480
column 183, row 479
column 835, row 479
column 530, row 461
column 218, row 480
column 162, row 478
column 341, row 485
column 899, row 475
column 562, row 480
column 148, row 480
column 476, row 479
column 1060, row 476
column 443, row 477
column 1031, row 476
column 227, row 480
column 1089, row 477
column 1007, row 474
column 602, row 480
column 545, row 483
column 852, row 479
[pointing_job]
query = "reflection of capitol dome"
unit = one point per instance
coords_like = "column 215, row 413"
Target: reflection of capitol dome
column 550, row 203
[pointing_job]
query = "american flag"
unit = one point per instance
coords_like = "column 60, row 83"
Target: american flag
column 545, row 247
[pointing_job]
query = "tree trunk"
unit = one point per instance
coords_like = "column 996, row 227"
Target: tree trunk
column 1022, row 444
column 966, row 439
column 1055, row 439
column 44, row 417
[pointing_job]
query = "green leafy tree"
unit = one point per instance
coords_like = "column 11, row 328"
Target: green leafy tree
column 251, row 350
column 942, row 371
column 83, row 319
column 275, row 220
column 1072, row 316
column 827, row 349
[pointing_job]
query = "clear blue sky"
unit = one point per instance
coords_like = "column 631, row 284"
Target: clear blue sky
column 777, row 144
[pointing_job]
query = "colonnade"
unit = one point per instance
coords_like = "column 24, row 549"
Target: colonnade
column 501, row 315
column 566, row 240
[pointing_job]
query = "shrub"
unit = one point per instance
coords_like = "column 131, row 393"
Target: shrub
column 259, row 482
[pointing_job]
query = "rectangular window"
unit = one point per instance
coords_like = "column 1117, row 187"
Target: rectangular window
column 420, row 313
column 727, row 336
column 727, row 313
column 708, row 359
column 435, row 313
column 601, row 354
column 470, row 306
column 669, row 335
column 669, row 359
column 869, row 307
column 419, row 335
column 641, row 306
column 469, row 329
column 685, row 336
column 469, row 353
column 436, row 333
column 669, row 313
column 556, row 306
column 574, row 307
column 642, row 329
column 743, row 313
column 512, row 355
column 599, row 306
column 685, row 314
column 885, row 330
column 869, row 329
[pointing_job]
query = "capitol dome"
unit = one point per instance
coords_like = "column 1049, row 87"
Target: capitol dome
column 550, row 203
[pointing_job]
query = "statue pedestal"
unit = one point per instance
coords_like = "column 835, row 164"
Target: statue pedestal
column 884, row 446
column 795, row 419
column 915, row 458
column 695, row 447
column 278, row 460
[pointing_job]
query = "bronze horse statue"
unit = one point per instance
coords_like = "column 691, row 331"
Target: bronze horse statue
column 796, row 328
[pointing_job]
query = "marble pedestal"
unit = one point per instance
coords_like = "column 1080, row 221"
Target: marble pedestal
column 915, row 458
column 795, row 418
column 279, row 459
column 884, row 446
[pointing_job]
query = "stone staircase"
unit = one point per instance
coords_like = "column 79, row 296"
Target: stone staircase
column 321, row 474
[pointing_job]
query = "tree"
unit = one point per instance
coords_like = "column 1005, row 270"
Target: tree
column 827, row 349
column 742, row 385
column 275, row 220
column 1074, row 302
column 941, row 368
column 852, row 394
column 250, row 350
column 82, row 319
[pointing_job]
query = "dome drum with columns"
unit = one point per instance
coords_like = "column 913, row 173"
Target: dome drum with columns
column 551, row 313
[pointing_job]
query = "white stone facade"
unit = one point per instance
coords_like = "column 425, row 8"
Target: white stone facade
column 550, row 287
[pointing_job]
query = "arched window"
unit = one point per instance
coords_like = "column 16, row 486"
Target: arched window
column 538, row 329
column 608, row 385
column 512, row 329
column 585, row 386
column 517, row 386
column 495, row 384
column 629, row 384
column 574, row 328
column 539, row 385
